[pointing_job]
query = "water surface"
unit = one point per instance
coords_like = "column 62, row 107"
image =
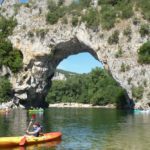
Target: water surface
column 84, row 129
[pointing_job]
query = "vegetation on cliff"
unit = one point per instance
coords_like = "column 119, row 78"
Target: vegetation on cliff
column 5, row 89
column 9, row 56
column 96, row 87
column 144, row 53
column 6, row 26
column 106, row 14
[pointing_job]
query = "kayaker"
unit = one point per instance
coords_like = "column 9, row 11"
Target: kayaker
column 36, row 130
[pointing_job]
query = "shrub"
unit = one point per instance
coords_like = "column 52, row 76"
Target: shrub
column 127, row 11
column 137, row 92
column 107, row 17
column 16, row 8
column 52, row 6
column 41, row 33
column 53, row 16
column 114, row 38
column 30, row 34
column 85, row 3
column 119, row 53
column 6, row 26
column 145, row 8
column 145, row 30
column 64, row 20
column 129, row 80
column 9, row 56
column 14, row 60
column 75, row 21
column 144, row 53
column 127, row 32
column 136, row 21
column 61, row 2
column 91, row 18
column 5, row 89
column 109, row 2
column 123, row 67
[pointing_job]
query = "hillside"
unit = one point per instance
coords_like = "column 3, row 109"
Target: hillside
column 62, row 74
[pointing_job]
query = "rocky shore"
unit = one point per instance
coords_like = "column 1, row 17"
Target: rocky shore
column 9, row 105
column 79, row 105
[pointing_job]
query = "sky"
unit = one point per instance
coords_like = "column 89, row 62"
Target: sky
column 24, row 1
column 80, row 63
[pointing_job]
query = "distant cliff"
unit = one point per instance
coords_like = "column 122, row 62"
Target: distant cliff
column 62, row 74
column 46, row 33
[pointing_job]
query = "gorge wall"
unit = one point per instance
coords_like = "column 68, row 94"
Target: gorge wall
column 44, row 46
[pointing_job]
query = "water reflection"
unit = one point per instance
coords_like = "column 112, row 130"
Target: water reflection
column 84, row 129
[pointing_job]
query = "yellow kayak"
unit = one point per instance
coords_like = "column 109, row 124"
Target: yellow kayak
column 14, row 141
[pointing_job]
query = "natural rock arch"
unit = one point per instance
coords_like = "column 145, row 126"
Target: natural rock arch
column 44, row 68
column 43, row 52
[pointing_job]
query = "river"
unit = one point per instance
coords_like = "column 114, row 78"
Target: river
column 84, row 129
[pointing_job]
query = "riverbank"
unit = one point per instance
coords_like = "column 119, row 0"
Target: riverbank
column 79, row 105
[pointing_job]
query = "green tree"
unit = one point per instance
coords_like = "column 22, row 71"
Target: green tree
column 5, row 89
column 144, row 53
column 6, row 26
column 96, row 87
column 10, row 57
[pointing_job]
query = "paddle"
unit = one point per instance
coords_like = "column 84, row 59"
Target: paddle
column 23, row 139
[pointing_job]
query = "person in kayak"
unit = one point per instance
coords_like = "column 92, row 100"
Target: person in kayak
column 37, row 128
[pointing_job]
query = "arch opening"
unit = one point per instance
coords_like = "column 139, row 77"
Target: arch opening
column 79, row 63
column 42, row 78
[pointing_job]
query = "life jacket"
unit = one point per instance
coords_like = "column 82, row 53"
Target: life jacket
column 38, row 133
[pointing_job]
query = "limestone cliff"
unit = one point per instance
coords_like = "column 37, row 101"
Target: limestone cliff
column 44, row 46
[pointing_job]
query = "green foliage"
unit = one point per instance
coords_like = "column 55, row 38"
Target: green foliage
column 144, row 53
column 114, row 38
column 137, row 92
column 136, row 21
column 145, row 8
column 52, row 6
column 30, row 34
column 91, row 18
column 14, row 60
column 85, row 3
column 9, row 56
column 96, row 87
column 110, row 12
column 5, row 89
column 124, row 67
column 108, row 16
column 53, row 16
column 74, row 20
column 145, row 30
column 119, row 53
column 6, row 26
column 129, row 80
column 109, row 2
column 126, row 9
column 60, row 2
column 113, row 9
column 41, row 33
column 127, row 32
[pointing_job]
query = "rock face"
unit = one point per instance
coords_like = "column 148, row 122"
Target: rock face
column 44, row 46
